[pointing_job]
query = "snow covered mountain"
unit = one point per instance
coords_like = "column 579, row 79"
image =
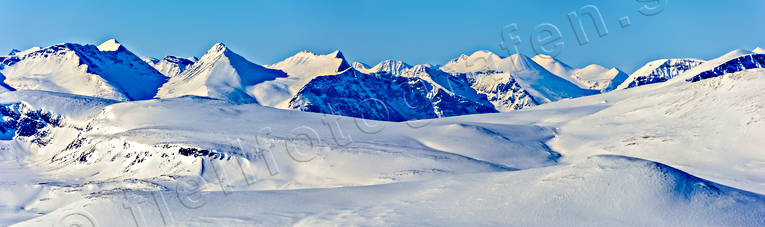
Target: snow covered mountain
column 109, row 70
column 170, row 66
column 514, row 82
column 220, row 74
column 592, row 77
column 659, row 71
column 301, row 68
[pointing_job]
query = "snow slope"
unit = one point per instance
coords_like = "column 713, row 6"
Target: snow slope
column 220, row 74
column 593, row 77
column 108, row 70
column 601, row 191
column 170, row 66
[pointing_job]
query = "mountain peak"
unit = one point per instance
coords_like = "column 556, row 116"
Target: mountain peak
column 338, row 54
column 110, row 45
column 758, row 50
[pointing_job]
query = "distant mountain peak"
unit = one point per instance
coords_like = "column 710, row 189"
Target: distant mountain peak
column 389, row 66
column 170, row 66
column 110, row 45
column 360, row 66
column 13, row 52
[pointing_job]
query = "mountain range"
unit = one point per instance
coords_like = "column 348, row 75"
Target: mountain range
column 222, row 141
column 392, row 90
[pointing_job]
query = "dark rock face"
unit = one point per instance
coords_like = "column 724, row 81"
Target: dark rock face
column 735, row 65
column 23, row 122
column 384, row 96
column 200, row 153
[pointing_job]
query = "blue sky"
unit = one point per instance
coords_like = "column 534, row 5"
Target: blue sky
column 369, row 31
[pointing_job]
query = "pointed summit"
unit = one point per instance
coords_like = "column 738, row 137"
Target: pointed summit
column 217, row 48
column 338, row 54
column 344, row 63
column 13, row 52
column 110, row 45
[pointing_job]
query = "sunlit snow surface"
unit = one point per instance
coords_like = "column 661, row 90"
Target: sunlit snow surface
column 670, row 154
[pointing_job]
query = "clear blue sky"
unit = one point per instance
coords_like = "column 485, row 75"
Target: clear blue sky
column 369, row 31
